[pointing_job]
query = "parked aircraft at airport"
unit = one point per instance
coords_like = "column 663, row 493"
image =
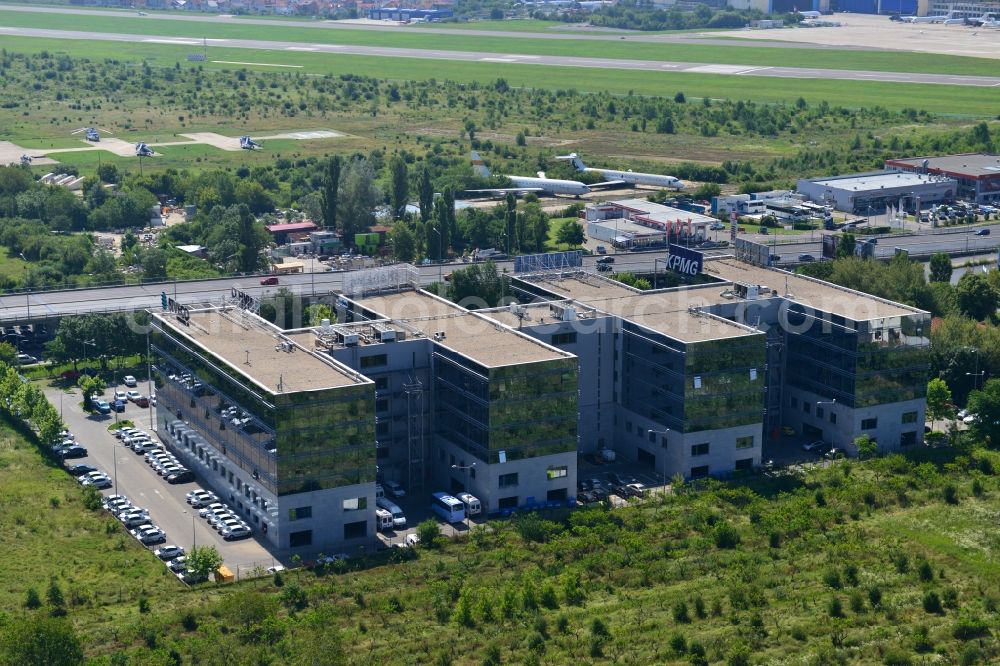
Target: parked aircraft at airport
column 614, row 177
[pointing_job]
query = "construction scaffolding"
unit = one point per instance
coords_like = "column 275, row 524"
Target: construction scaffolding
column 358, row 284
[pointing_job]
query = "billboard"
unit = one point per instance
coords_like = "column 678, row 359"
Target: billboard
column 531, row 263
column 684, row 260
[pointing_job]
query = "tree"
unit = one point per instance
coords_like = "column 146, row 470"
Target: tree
column 845, row 248
column 8, row 354
column 39, row 641
column 707, row 191
column 941, row 267
column 479, row 285
column 248, row 608
column 203, row 560
column 570, row 232
column 329, row 197
column 317, row 312
column 399, row 189
column 938, row 399
column 976, row 298
column 429, row 533
column 865, row 446
column 404, row 245
column 357, row 200
column 426, row 195
column 90, row 386
column 985, row 404
column 154, row 264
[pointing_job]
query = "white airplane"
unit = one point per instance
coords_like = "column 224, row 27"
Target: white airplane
column 142, row 150
column 142, row 13
column 246, row 143
column 987, row 20
column 929, row 19
column 524, row 184
column 810, row 15
column 624, row 177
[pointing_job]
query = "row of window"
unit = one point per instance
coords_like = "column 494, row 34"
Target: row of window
column 866, row 424
column 351, row 504
column 303, row 538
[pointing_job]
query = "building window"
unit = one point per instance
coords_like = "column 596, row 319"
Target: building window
column 699, row 472
column 744, row 464
column 652, row 437
column 833, row 417
column 299, row 513
column 744, row 442
column 382, row 428
column 508, row 480
column 819, row 412
column 628, row 427
column 381, row 405
column 807, row 407
column 908, row 438
column 564, row 339
column 382, row 452
column 507, row 503
column 355, row 504
column 699, row 449
column 374, row 361
column 356, row 530
column 557, row 472
column 909, row 417
column 300, row 539
column 557, row 495
column 381, row 383
column 869, row 424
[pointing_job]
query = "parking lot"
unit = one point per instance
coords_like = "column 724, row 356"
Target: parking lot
column 135, row 479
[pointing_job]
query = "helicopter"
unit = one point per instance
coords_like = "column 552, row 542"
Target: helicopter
column 142, row 150
column 93, row 133
column 26, row 160
column 246, row 143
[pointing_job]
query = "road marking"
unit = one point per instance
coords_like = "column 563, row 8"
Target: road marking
column 255, row 64
column 185, row 42
column 753, row 69
column 497, row 60
column 300, row 48
column 329, row 46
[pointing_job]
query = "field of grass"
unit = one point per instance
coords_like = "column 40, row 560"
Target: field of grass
column 49, row 535
column 956, row 101
column 749, row 55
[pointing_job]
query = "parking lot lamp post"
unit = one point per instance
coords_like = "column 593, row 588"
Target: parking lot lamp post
column 194, row 542
column 656, row 275
column 663, row 445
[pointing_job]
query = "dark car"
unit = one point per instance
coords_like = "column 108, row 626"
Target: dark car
column 269, row 280
column 75, row 451
column 118, row 405
column 806, row 257
column 615, row 479
column 80, row 470
column 983, row 232
column 600, row 494
column 185, row 476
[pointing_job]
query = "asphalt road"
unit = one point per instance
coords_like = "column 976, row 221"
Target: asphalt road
column 519, row 59
column 137, row 480
column 390, row 26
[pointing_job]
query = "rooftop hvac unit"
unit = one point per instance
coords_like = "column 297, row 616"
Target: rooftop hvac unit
column 345, row 336
column 325, row 326
column 563, row 312
column 383, row 333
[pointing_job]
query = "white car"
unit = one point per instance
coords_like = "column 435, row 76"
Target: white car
column 133, row 395
column 200, row 498
column 238, row 532
column 129, row 380
column 120, row 395
column 412, row 539
column 963, row 413
column 211, row 509
column 970, row 418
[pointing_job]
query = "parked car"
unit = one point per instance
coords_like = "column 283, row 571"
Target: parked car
column 969, row 419
column 240, row 532
column 118, row 405
column 394, row 489
column 196, row 497
column 638, row 489
column 80, row 470
column 74, row 451
column 184, row 476
column 412, row 539
column 120, row 395
column 26, row 359
column 129, row 380
column 806, row 258
column 102, row 406
column 716, row 226
column 142, row 401
column 835, row 454
column 167, row 553
column 178, row 564
column 132, row 395
column 96, row 479
column 983, row 232
column 817, row 446
column 273, row 279
column 151, row 535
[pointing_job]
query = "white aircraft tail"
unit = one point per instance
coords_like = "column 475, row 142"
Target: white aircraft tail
column 575, row 159
column 479, row 166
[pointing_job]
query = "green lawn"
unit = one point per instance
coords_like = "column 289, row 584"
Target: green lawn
column 12, row 267
column 957, row 101
column 755, row 55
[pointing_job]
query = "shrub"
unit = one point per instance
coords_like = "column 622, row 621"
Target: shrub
column 726, row 536
column 921, row 639
column 851, row 575
column 678, row 643
column 896, row 657
column 932, row 602
column 857, row 602
column 680, row 611
column 189, row 621
column 968, row 627
column 798, row 633
column 835, row 607
column 875, row 596
column 950, row 598
column 143, row 604
column 699, row 607
column 599, row 629
column 562, row 624
column 925, row 572
column 832, row 579
column 950, row 493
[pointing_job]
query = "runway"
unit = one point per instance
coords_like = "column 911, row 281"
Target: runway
column 516, row 59
column 387, row 26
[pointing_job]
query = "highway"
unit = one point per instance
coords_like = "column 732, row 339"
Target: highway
column 14, row 307
column 518, row 59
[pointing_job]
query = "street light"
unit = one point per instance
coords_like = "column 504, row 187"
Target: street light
column 27, row 294
column 194, row 542
column 655, row 274
column 434, row 229
column 663, row 445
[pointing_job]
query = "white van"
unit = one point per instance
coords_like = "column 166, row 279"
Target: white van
column 383, row 520
column 472, row 506
column 398, row 519
column 379, row 491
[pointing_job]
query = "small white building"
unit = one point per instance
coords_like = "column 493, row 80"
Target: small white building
column 632, row 223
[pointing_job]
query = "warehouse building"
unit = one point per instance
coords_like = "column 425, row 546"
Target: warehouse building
column 868, row 193
column 977, row 174
column 638, row 223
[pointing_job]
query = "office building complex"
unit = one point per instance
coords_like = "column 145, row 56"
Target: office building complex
column 293, row 428
column 977, row 174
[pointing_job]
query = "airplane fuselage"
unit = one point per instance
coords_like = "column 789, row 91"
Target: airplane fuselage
column 634, row 178
column 553, row 185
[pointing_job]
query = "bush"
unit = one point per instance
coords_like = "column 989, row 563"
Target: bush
column 832, row 579
column 680, row 611
column 950, row 493
column 968, row 627
column 835, row 607
column 31, row 599
column 921, row 639
column 875, row 596
column 857, row 602
column 932, row 602
column 896, row 657
column 726, row 536
column 925, row 572
column 678, row 643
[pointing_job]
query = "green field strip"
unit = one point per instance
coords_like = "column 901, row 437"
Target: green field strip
column 709, row 54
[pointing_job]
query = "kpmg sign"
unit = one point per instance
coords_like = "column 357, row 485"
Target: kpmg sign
column 685, row 260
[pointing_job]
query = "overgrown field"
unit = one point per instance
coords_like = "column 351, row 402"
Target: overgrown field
column 889, row 561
